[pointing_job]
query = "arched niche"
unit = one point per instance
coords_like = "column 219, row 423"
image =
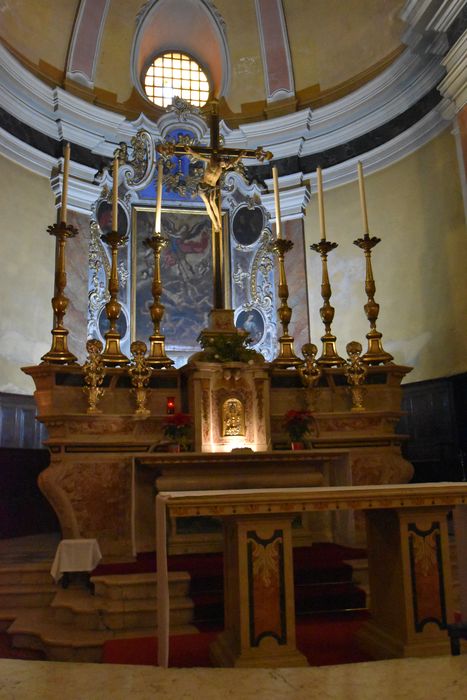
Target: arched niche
column 194, row 27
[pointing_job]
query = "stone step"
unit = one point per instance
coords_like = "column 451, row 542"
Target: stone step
column 138, row 586
column 36, row 595
column 37, row 629
column 84, row 611
column 19, row 574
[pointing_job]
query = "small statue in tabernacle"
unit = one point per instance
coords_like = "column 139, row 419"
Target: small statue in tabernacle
column 140, row 374
column 94, row 372
column 356, row 372
column 233, row 420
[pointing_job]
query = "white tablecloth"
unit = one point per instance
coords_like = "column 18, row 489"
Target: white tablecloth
column 75, row 555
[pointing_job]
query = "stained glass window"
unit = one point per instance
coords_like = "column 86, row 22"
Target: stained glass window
column 174, row 74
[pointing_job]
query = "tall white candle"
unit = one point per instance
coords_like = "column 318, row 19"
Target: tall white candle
column 66, row 167
column 361, row 186
column 322, row 223
column 277, row 203
column 157, row 222
column 115, row 196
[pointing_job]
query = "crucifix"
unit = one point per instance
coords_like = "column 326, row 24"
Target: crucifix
column 219, row 160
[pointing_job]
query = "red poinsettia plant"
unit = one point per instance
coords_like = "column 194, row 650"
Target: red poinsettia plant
column 177, row 427
column 297, row 423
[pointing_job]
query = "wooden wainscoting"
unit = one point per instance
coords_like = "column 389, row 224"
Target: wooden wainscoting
column 18, row 424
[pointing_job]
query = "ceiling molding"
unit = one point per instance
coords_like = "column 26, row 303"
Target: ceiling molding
column 454, row 85
column 60, row 114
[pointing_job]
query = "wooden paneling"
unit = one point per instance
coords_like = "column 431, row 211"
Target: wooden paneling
column 431, row 422
column 18, row 424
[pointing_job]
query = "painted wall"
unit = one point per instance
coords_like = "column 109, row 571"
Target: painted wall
column 367, row 32
column 415, row 207
column 20, row 23
column 330, row 46
column 26, row 282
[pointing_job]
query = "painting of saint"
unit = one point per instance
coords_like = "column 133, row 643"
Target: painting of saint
column 251, row 321
column 247, row 225
column 186, row 273
column 104, row 217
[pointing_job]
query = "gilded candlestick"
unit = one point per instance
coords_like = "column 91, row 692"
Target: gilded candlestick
column 329, row 356
column 112, row 355
column 286, row 357
column 157, row 357
column 59, row 353
column 375, row 354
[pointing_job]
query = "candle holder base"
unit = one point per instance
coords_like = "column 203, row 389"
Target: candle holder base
column 157, row 359
column 376, row 354
column 286, row 357
column 330, row 356
column 59, row 353
column 112, row 355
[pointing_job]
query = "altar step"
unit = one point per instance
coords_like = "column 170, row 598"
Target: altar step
column 38, row 629
column 123, row 602
column 75, row 625
column 26, row 586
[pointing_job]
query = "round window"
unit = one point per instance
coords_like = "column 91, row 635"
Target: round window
column 174, row 74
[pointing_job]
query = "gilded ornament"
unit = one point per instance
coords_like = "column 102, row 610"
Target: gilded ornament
column 94, row 372
column 140, row 373
column 356, row 372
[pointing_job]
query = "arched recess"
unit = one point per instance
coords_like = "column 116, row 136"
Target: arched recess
column 194, row 27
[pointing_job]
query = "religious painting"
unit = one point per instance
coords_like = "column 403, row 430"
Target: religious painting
column 251, row 321
column 104, row 217
column 247, row 225
column 186, row 273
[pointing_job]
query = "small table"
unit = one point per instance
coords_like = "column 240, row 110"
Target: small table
column 73, row 556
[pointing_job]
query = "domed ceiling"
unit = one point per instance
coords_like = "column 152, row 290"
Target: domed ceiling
column 315, row 81
column 330, row 48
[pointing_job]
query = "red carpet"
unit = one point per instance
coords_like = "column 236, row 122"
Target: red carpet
column 323, row 582
column 325, row 640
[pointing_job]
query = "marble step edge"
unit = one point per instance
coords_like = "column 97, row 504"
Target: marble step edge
column 101, row 620
column 32, row 596
column 24, row 575
column 36, row 630
column 133, row 586
column 83, row 602
column 26, row 567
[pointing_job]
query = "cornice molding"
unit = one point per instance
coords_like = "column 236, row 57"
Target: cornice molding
column 59, row 114
column 454, row 85
column 427, row 24
column 83, row 192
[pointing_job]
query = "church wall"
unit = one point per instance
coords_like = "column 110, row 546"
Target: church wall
column 247, row 81
column 20, row 30
column 26, row 282
column 113, row 69
column 359, row 45
column 415, row 207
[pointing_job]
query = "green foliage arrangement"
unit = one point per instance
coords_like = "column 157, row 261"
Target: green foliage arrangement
column 228, row 347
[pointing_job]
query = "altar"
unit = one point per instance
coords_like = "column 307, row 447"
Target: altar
column 408, row 560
